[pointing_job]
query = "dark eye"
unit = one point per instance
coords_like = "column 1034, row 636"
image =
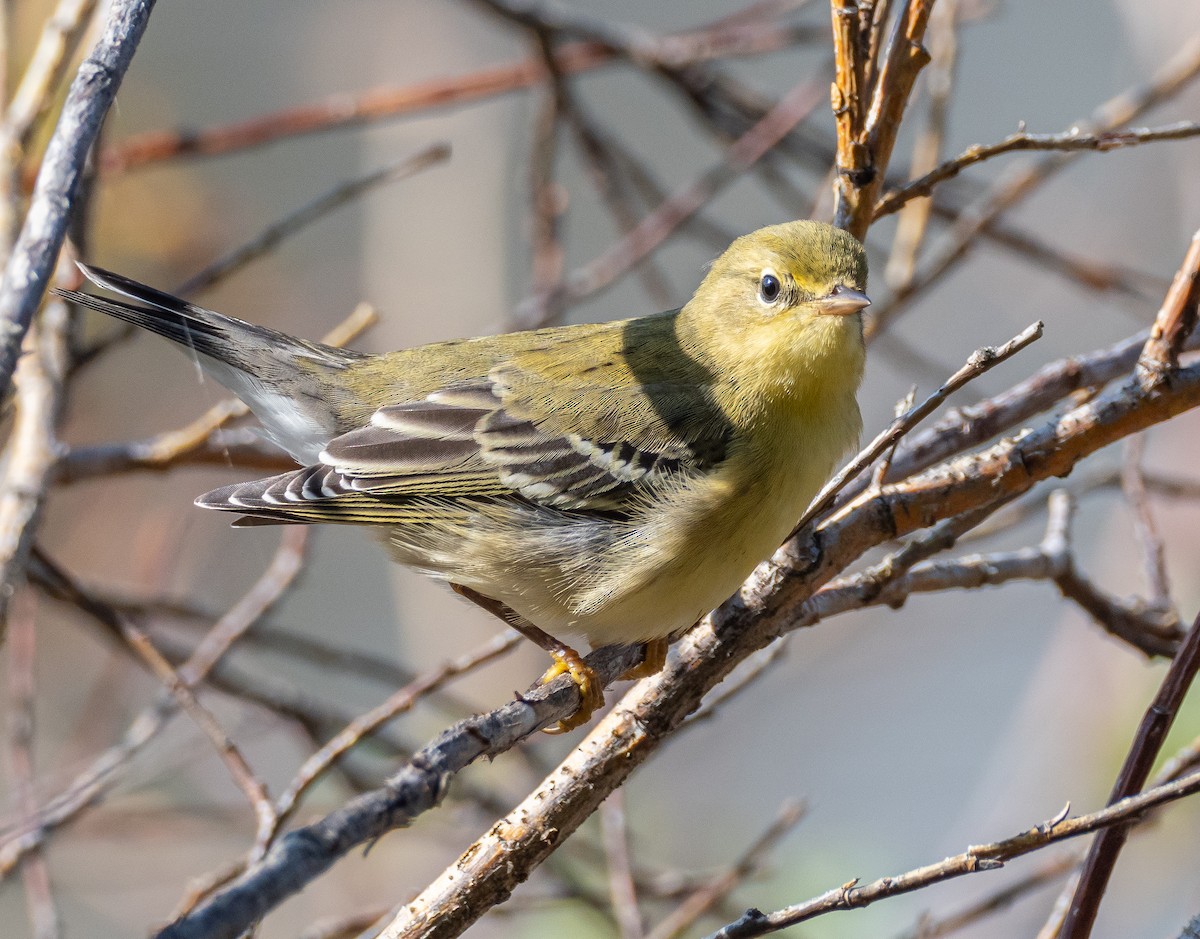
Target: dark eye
column 768, row 288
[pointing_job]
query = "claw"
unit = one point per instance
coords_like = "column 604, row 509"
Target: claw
column 654, row 657
column 591, row 694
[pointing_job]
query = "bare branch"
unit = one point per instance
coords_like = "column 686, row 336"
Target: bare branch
column 1147, row 743
column 981, row 360
column 975, row 859
column 35, row 873
column 1067, row 141
column 621, row 886
column 60, row 37
column 28, row 269
column 1176, row 319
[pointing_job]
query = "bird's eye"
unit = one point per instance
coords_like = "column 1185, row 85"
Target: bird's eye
column 769, row 288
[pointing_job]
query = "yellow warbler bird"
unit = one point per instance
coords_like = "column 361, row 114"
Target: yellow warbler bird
column 613, row 480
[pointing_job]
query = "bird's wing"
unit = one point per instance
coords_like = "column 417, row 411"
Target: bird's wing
column 597, row 446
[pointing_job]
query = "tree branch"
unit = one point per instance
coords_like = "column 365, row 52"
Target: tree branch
column 28, row 269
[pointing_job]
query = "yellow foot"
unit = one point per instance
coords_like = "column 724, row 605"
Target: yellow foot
column 590, row 693
column 653, row 659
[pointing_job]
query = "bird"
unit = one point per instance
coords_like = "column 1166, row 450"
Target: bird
column 613, row 481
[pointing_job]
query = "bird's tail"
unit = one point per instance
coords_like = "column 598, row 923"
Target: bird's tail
column 294, row 386
column 223, row 338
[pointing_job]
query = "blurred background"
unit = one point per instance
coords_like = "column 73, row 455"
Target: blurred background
column 909, row 734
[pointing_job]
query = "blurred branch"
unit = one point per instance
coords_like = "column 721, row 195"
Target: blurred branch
column 345, row 111
column 702, row 900
column 614, row 830
column 270, row 237
column 939, row 81
column 60, row 37
column 105, row 769
column 656, row 227
column 273, row 235
column 1154, row 559
column 39, row 85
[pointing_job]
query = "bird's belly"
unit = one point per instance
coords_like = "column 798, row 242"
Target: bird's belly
column 696, row 567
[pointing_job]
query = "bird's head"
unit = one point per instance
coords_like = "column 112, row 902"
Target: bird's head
column 797, row 264
column 785, row 301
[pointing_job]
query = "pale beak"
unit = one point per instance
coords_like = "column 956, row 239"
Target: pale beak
column 843, row 301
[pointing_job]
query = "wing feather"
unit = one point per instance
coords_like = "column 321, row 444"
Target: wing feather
column 423, row 460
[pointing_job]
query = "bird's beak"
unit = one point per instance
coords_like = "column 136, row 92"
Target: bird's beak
column 843, row 301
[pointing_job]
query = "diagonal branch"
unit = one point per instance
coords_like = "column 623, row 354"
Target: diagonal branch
column 1147, row 743
column 28, row 270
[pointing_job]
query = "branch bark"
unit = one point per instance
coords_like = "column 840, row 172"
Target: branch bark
column 29, row 266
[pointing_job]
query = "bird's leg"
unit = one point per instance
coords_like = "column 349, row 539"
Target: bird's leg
column 566, row 659
column 654, row 657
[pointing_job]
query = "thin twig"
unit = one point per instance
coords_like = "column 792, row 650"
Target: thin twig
column 980, row 361
column 1066, row 141
column 1047, row 873
column 238, row 767
column 33, row 445
column 547, row 196
column 975, row 859
column 1154, row 559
